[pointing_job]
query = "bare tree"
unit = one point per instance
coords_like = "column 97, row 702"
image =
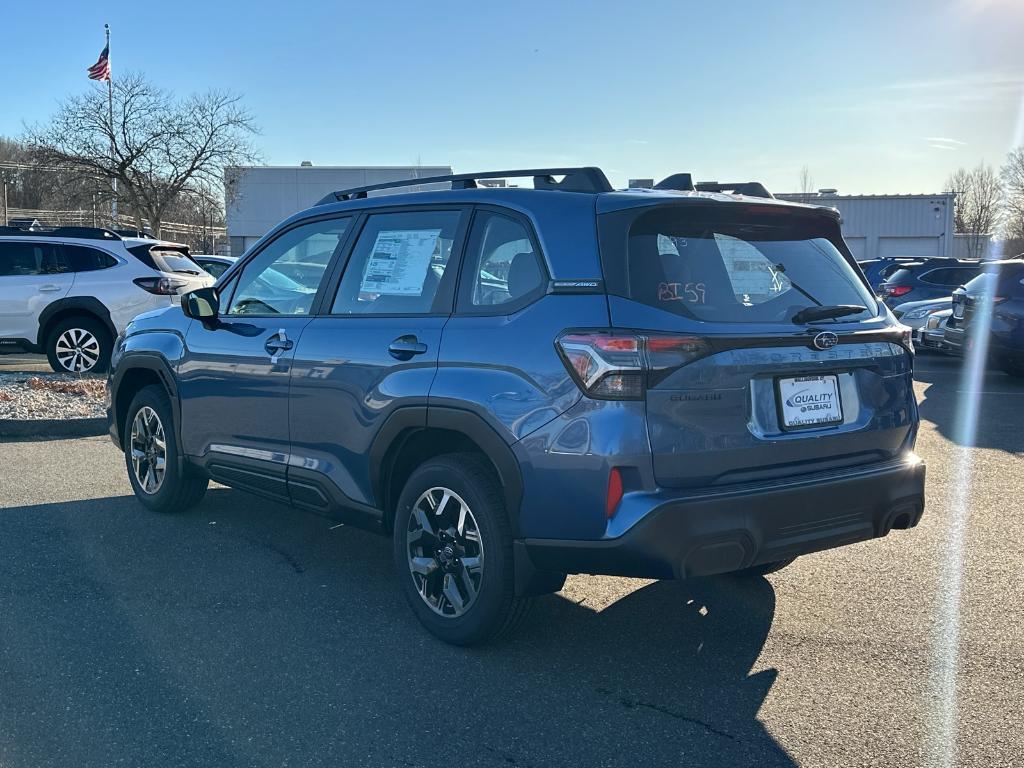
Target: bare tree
column 978, row 205
column 1012, row 175
column 156, row 147
column 806, row 183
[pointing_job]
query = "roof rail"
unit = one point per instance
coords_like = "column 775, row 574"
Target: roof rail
column 749, row 188
column 83, row 233
column 587, row 179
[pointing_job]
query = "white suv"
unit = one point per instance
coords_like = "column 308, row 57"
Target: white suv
column 69, row 291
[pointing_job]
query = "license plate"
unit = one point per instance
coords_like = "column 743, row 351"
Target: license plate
column 809, row 401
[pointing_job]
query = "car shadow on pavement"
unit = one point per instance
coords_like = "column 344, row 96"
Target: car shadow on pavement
column 244, row 633
column 947, row 399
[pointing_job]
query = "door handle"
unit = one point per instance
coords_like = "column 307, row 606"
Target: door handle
column 48, row 288
column 404, row 347
column 277, row 344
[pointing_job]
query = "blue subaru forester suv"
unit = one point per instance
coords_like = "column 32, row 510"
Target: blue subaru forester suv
column 520, row 383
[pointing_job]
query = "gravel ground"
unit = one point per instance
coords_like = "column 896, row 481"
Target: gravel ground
column 30, row 396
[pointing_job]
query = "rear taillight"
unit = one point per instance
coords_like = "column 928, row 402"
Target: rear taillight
column 907, row 338
column 163, row 286
column 896, row 290
column 619, row 366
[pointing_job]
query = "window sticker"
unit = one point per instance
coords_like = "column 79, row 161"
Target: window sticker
column 399, row 262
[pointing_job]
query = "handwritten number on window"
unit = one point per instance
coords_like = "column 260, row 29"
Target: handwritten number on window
column 691, row 293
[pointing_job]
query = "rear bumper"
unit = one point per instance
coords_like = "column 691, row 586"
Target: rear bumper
column 708, row 533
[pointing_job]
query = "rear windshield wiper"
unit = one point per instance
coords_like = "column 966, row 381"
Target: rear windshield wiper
column 810, row 314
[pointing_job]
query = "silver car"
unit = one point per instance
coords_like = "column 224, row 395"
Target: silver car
column 929, row 337
column 914, row 314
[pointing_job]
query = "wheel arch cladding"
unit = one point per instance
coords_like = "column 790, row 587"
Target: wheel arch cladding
column 74, row 306
column 414, row 435
column 135, row 372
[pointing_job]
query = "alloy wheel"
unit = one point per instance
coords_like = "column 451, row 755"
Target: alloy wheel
column 77, row 350
column 149, row 450
column 445, row 552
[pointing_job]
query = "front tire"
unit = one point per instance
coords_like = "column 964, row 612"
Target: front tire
column 453, row 551
column 161, row 481
column 79, row 345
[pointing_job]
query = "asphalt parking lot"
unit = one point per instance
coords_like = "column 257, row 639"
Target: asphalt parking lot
column 247, row 634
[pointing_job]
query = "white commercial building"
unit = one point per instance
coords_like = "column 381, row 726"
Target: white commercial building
column 260, row 197
column 891, row 225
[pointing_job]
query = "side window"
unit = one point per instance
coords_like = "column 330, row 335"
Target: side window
column 753, row 276
column 501, row 265
column 18, row 259
column 962, row 276
column 399, row 265
column 82, row 259
column 283, row 278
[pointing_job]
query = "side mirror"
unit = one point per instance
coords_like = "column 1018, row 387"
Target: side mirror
column 201, row 304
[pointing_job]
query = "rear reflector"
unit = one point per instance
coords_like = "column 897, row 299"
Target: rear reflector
column 614, row 492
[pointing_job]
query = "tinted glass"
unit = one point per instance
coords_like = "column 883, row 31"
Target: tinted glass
column 214, row 268
column 726, row 267
column 501, row 266
column 399, row 264
column 31, row 259
column 900, row 276
column 1004, row 280
column 84, row 259
column 283, row 278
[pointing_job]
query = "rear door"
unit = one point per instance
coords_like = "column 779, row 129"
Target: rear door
column 764, row 401
column 33, row 274
column 234, row 379
column 372, row 350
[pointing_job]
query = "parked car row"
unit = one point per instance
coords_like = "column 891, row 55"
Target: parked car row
column 988, row 306
column 68, row 292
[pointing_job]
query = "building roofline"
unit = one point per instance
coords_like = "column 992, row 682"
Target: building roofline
column 334, row 167
column 898, row 196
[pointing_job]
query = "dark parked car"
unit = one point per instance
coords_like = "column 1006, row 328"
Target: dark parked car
column 1000, row 287
column 877, row 270
column 518, row 383
column 928, row 279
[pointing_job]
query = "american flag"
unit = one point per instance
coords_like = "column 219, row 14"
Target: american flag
column 101, row 69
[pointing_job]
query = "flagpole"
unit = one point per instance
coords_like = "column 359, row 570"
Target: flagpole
column 110, row 114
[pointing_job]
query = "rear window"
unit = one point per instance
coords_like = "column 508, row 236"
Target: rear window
column 731, row 266
column 900, row 276
column 164, row 259
column 1006, row 280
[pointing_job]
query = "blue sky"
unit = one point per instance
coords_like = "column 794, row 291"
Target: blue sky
column 872, row 96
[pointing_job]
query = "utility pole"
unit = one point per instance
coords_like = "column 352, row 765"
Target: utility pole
column 3, row 176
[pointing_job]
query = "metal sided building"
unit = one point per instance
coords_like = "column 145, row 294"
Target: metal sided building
column 891, row 225
column 259, row 197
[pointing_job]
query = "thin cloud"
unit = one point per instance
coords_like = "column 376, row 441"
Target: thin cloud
column 943, row 140
column 943, row 146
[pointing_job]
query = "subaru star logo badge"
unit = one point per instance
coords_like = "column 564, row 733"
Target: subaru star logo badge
column 825, row 340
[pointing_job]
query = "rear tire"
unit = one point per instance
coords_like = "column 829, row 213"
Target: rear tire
column 79, row 345
column 160, row 479
column 764, row 569
column 450, row 514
